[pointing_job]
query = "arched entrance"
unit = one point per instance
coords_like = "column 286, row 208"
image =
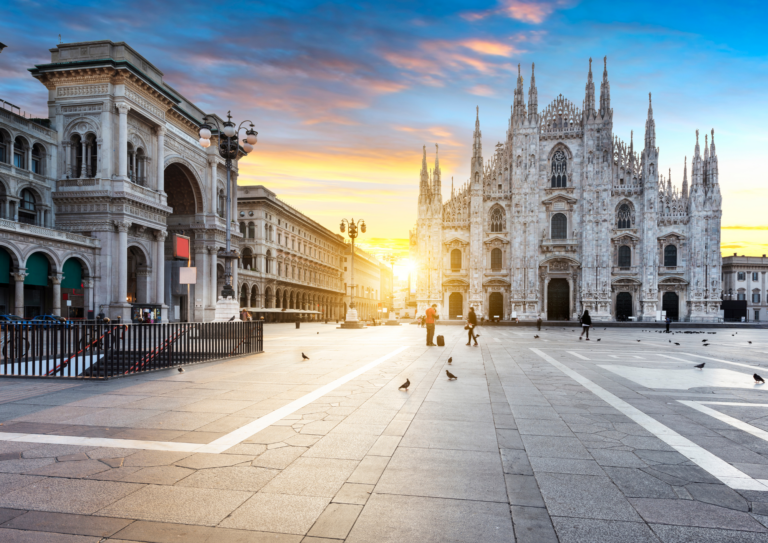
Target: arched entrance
column 496, row 306
column 670, row 303
column 6, row 289
column 558, row 300
column 456, row 306
column 36, row 285
column 623, row 306
column 138, row 276
column 72, row 291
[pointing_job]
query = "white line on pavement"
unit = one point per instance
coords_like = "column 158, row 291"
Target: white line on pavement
column 577, row 355
column 217, row 446
column 736, row 423
column 719, row 468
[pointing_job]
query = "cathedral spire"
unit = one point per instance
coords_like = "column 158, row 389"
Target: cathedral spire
column 650, row 127
column 424, row 190
column 589, row 94
column 669, row 182
column 605, row 92
column 518, row 108
column 533, row 97
column 437, row 188
column 713, row 159
column 477, row 146
column 685, row 178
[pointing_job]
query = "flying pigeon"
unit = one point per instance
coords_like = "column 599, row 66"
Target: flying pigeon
column 450, row 360
column 700, row 366
column 535, row 337
column 758, row 379
column 405, row 385
column 181, row 370
column 304, row 357
column 451, row 377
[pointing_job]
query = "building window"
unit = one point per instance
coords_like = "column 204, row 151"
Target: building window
column 37, row 159
column 559, row 226
column 624, row 217
column 625, row 256
column 755, row 297
column 559, row 170
column 18, row 153
column 496, row 259
column 3, row 148
column 497, row 220
column 755, row 276
column 455, row 259
column 251, row 230
column 242, row 228
column 741, row 276
column 27, row 207
column 670, row 256
column 741, row 296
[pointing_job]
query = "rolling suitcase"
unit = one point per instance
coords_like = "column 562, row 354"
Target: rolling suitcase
column 440, row 341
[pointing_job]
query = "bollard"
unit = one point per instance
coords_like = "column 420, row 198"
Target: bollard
column 298, row 324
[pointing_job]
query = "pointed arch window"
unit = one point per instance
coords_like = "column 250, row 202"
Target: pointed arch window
column 559, row 226
column 496, row 259
column 497, row 220
column 624, row 217
column 559, row 169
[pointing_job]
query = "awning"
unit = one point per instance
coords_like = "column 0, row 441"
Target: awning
column 278, row 310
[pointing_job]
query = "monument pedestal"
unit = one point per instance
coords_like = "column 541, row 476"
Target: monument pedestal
column 351, row 322
column 226, row 308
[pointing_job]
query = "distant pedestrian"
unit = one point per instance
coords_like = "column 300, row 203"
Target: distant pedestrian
column 668, row 321
column 471, row 323
column 586, row 322
column 430, row 317
column 538, row 323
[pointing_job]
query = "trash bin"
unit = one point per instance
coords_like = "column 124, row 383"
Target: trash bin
column 298, row 324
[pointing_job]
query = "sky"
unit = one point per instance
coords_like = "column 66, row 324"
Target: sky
column 345, row 94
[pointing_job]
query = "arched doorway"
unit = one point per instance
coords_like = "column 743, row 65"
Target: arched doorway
column 558, row 300
column 72, row 291
column 36, row 297
column 138, row 276
column 623, row 306
column 6, row 289
column 670, row 303
column 496, row 306
column 455, row 306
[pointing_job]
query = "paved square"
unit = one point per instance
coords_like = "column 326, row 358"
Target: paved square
column 538, row 440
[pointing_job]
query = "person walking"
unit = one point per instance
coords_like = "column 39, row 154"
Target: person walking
column 431, row 315
column 586, row 322
column 538, row 323
column 668, row 321
column 471, row 323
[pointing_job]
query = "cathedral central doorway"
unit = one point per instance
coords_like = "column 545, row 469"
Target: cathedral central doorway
column 558, row 300
column 496, row 306
column 670, row 303
column 455, row 306
column 623, row 306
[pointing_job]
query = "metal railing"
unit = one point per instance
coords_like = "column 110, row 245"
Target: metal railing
column 101, row 351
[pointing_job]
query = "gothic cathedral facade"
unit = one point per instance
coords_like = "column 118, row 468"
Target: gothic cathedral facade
column 564, row 216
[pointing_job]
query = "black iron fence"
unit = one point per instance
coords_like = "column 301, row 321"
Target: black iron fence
column 100, row 351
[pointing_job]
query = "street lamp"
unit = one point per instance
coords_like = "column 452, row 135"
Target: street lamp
column 351, row 228
column 229, row 150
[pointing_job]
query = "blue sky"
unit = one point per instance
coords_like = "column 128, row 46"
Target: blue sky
column 344, row 95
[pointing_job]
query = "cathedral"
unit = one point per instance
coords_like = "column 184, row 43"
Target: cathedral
column 564, row 216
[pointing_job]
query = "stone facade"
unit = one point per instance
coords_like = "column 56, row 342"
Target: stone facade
column 290, row 266
column 367, row 283
column 564, row 216
column 746, row 278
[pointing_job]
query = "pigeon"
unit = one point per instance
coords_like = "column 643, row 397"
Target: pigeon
column 233, row 318
column 700, row 366
column 598, row 339
column 181, row 370
column 579, row 338
column 535, row 337
column 703, row 340
column 706, row 344
column 405, row 385
column 750, row 342
column 758, row 379
column 638, row 341
column 670, row 341
column 318, row 333
column 450, row 360
column 451, row 376
column 677, row 344
column 304, row 357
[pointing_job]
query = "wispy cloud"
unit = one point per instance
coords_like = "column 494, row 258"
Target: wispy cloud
column 531, row 12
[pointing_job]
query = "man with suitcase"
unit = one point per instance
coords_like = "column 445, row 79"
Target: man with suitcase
column 431, row 315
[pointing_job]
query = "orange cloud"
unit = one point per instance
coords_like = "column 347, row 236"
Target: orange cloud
column 531, row 12
column 489, row 47
column 481, row 90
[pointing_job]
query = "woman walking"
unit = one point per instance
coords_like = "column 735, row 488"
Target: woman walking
column 471, row 323
column 586, row 322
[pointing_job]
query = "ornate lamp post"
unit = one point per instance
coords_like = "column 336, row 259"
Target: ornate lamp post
column 229, row 150
column 352, row 227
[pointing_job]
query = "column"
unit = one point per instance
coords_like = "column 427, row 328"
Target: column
column 212, row 260
column 123, row 110
column 67, row 153
column 56, row 281
column 19, row 291
column 134, row 174
column 160, row 158
column 213, row 162
column 83, row 167
column 88, row 302
column 122, row 261
column 160, row 267
column 88, row 169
